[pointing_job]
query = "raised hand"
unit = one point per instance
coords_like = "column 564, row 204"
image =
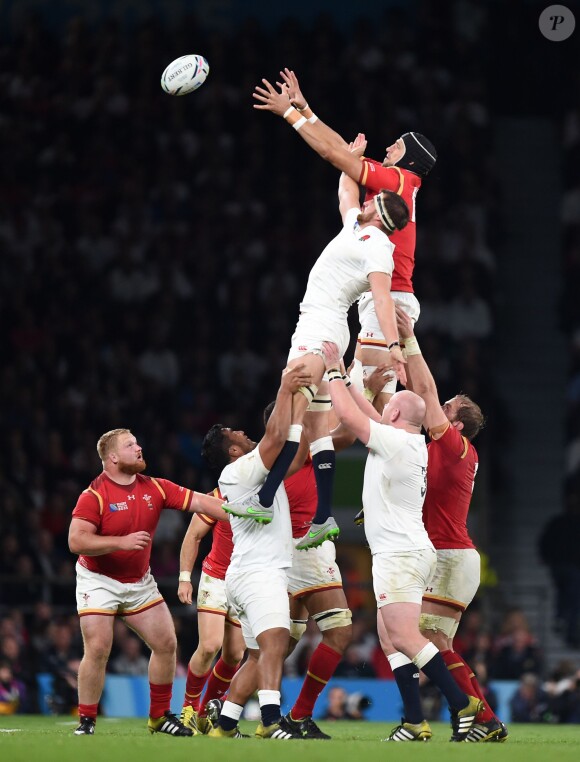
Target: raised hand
column 404, row 322
column 295, row 377
column 331, row 355
column 290, row 82
column 399, row 365
column 378, row 378
column 359, row 145
column 270, row 99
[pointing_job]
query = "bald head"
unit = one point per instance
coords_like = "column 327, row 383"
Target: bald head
column 406, row 410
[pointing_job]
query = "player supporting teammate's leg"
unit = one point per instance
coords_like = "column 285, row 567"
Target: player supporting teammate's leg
column 317, row 429
column 257, row 506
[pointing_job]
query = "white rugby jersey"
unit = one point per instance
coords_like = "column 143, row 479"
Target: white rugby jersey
column 340, row 274
column 395, row 483
column 256, row 546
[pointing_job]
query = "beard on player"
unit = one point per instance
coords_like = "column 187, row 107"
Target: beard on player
column 366, row 216
column 132, row 468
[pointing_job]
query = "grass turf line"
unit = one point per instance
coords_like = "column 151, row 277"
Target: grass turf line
column 50, row 739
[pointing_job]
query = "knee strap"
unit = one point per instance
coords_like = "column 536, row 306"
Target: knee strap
column 297, row 628
column 320, row 404
column 328, row 620
column 309, row 392
column 444, row 624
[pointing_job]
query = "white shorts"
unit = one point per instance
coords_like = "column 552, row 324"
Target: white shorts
column 370, row 335
column 402, row 577
column 456, row 578
column 313, row 570
column 260, row 600
column 212, row 598
column 98, row 594
column 312, row 329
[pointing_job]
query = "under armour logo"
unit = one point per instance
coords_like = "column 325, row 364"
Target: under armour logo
column 324, row 465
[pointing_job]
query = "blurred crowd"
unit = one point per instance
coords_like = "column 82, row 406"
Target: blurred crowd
column 560, row 539
column 155, row 250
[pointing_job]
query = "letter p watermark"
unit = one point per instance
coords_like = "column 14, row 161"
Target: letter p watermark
column 557, row 23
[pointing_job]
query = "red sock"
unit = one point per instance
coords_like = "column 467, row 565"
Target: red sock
column 218, row 683
column 160, row 699
column 321, row 668
column 487, row 714
column 465, row 678
column 88, row 710
column 194, row 688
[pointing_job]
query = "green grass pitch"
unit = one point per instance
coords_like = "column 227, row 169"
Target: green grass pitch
column 50, row 739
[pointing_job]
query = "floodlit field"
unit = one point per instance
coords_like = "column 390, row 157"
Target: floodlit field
column 50, row 739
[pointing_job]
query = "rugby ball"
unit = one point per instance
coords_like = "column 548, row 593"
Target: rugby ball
column 184, row 75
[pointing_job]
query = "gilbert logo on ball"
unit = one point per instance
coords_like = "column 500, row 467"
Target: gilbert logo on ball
column 184, row 75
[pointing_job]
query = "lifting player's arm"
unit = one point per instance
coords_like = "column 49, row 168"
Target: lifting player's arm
column 422, row 381
column 279, row 422
column 196, row 531
column 345, row 405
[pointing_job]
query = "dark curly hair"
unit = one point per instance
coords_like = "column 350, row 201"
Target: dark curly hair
column 214, row 449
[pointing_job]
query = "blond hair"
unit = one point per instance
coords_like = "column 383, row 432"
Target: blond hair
column 108, row 441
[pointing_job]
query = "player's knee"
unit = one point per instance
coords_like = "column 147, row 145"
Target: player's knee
column 98, row 652
column 333, row 619
column 309, row 392
column 320, row 404
column 438, row 629
column 232, row 658
column 297, row 630
column 207, row 649
column 166, row 644
column 233, row 653
column 338, row 638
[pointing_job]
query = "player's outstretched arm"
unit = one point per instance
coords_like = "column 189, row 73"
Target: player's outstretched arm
column 422, row 378
column 347, row 195
column 298, row 100
column 279, row 422
column 344, row 405
column 211, row 506
column 318, row 137
column 196, row 531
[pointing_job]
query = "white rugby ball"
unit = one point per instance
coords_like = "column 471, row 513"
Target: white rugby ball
column 184, row 75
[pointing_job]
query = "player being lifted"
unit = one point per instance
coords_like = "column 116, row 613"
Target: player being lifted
column 407, row 161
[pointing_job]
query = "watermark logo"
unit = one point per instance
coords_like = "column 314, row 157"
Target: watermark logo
column 557, row 23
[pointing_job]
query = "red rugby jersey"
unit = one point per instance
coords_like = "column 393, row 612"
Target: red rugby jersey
column 451, row 470
column 120, row 509
column 302, row 497
column 375, row 178
column 216, row 563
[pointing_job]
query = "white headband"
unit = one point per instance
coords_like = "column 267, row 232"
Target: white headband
column 386, row 218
